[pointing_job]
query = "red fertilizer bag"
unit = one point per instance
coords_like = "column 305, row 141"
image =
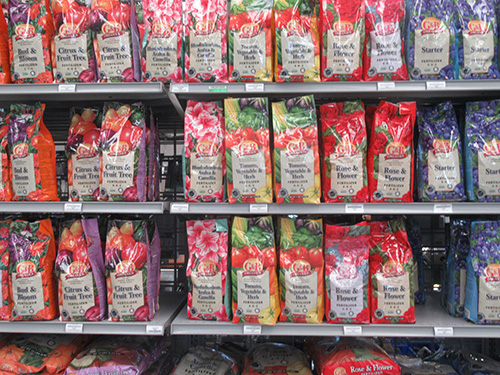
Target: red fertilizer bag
column 4, row 268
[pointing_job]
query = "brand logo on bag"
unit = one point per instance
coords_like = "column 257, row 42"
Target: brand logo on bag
column 295, row 28
column 119, row 149
column 207, row 268
column 301, row 267
column 205, row 27
column 442, row 146
column 392, row 269
column 69, row 29
column 24, row 31
column 249, row 30
column 160, row 29
column 111, row 28
column 346, row 271
column 207, row 148
column 247, row 147
column 25, row 269
column 395, row 150
column 85, row 151
column 477, row 27
column 125, row 268
column 343, row 28
column 492, row 148
column 253, row 266
column 383, row 28
column 492, row 272
column 340, row 371
column 296, row 147
column 431, row 25
column 20, row 151
column 76, row 269
column 346, row 149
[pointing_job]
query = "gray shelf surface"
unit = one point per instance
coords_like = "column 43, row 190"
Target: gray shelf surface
column 170, row 304
column 84, row 207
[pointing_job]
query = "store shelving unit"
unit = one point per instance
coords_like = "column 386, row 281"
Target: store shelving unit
column 83, row 207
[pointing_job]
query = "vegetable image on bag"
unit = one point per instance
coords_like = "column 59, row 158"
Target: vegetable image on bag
column 347, row 276
column 342, row 40
column 296, row 55
column 208, row 284
column 301, row 270
column 279, row 359
column 255, row 289
column 248, row 155
column 204, row 153
column 30, row 35
column 122, row 150
column 32, row 286
column 391, row 272
column 82, row 152
column 4, row 268
column 439, row 154
column 383, row 56
column 72, row 49
column 32, row 154
column 250, row 41
column 296, row 155
column 345, row 144
column 6, row 193
column 390, row 154
column 205, row 42
column 79, row 269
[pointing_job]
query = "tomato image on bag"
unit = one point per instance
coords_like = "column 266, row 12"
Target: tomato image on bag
column 301, row 270
column 30, row 34
column 391, row 272
column 4, row 268
column 198, row 360
column 250, row 41
column 204, row 154
column 208, row 284
column 79, row 269
column 279, row 359
column 248, row 155
column 342, row 40
column 122, row 150
column 346, row 273
column 296, row 51
column 5, row 76
column 82, row 152
column 253, row 271
column 205, row 42
column 72, row 49
column 390, row 154
column 296, row 155
column 383, row 57
column 6, row 193
column 32, row 154
column 32, row 287
column 345, row 144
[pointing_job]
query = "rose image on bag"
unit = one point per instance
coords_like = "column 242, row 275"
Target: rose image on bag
column 5, row 76
column 4, row 268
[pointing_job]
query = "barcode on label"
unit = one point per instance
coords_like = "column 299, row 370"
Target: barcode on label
column 179, row 207
column 252, row 330
column 73, row 207
column 258, row 208
column 74, row 328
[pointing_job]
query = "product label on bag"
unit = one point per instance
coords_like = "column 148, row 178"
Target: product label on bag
column 249, row 172
column 444, row 170
column 207, row 293
column 432, row 50
column 115, row 53
column 23, row 174
column 489, row 297
column 385, row 52
column 205, row 51
column 346, row 174
column 297, row 52
column 206, row 174
column 71, row 56
column 253, row 292
column 479, row 50
column 346, row 296
column 394, row 176
column 28, row 57
column 297, row 171
column 393, row 293
column 77, row 293
column 161, row 56
column 118, row 172
column 489, row 173
column 27, row 293
column 85, row 175
column 301, row 290
column 343, row 52
column 127, row 293
column 249, row 52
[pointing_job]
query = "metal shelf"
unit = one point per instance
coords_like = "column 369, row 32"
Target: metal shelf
column 83, row 207
column 170, row 304
column 442, row 208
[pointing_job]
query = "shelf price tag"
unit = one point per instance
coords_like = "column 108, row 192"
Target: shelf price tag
column 217, row 88
column 179, row 87
column 354, row 209
column 353, row 330
column 73, row 207
column 152, row 329
column 67, row 88
column 443, row 331
column 443, row 208
column 258, row 208
column 254, row 87
column 252, row 330
column 435, row 85
column 73, row 328
column 179, row 208
column 385, row 86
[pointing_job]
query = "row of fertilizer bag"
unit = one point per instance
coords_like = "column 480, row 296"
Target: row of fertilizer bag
column 363, row 273
column 112, row 154
column 247, row 41
column 362, row 155
column 86, row 279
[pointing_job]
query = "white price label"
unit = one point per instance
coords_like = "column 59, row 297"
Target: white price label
column 443, row 208
column 443, row 331
column 435, row 85
column 179, row 87
column 254, row 87
column 385, row 86
column 74, row 328
column 258, row 208
column 354, row 209
column 73, row 207
column 252, row 330
column 179, row 207
column 67, row 88
column 154, row 329
column 353, row 330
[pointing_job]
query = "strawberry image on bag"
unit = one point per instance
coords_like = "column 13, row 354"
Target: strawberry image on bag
column 279, row 359
column 296, row 156
column 80, row 271
column 209, row 286
column 390, row 154
column 30, row 35
column 6, row 193
column 345, row 144
column 32, row 252
column 253, row 271
column 4, row 268
column 248, row 155
column 32, row 154
column 82, row 152
column 301, row 270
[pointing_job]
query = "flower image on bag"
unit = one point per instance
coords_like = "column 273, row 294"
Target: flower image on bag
column 296, row 155
column 208, row 283
column 4, row 268
column 342, row 39
column 439, row 154
column 198, row 359
column 301, row 270
column 204, row 152
column 383, row 56
column 30, row 35
column 390, row 153
column 72, row 49
column 5, row 76
column 279, row 359
column 250, row 41
column 248, row 154
column 345, row 144
column 346, row 273
column 205, row 41
column 297, row 52
column 6, row 193
column 255, row 290
column 79, row 269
